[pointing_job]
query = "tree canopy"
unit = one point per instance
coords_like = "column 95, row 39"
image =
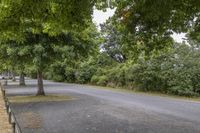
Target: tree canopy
column 58, row 40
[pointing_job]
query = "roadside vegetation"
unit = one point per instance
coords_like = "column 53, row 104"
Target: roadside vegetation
column 174, row 72
column 134, row 49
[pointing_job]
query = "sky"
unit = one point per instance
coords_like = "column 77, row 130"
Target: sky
column 100, row 17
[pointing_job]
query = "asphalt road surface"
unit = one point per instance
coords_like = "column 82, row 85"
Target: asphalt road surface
column 96, row 110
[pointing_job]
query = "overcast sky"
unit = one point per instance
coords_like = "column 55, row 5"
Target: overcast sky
column 100, row 17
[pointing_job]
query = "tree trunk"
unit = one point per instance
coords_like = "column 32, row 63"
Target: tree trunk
column 5, row 82
column 22, row 79
column 40, row 84
column 13, row 77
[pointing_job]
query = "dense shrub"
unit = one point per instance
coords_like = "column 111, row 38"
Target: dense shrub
column 176, row 72
column 70, row 74
column 117, row 75
column 102, row 80
column 99, row 80
column 85, row 72
column 94, row 79
column 56, row 72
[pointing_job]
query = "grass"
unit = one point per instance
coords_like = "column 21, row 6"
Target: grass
column 117, row 89
column 47, row 98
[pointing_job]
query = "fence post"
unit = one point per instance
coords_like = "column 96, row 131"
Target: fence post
column 13, row 126
column 10, row 117
column 4, row 92
column 6, row 82
column 7, row 106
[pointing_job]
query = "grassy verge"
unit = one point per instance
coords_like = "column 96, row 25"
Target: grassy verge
column 47, row 98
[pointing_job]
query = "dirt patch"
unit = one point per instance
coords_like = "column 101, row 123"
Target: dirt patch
column 31, row 120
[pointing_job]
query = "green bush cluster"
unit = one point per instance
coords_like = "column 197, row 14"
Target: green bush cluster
column 177, row 72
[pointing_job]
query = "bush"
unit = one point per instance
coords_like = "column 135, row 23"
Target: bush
column 119, row 75
column 94, row 79
column 99, row 80
column 85, row 73
column 102, row 80
column 174, row 73
column 58, row 78
column 70, row 74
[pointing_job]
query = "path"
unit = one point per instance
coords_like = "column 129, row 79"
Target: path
column 5, row 127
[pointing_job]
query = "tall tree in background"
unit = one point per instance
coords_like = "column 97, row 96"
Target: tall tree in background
column 80, row 47
column 17, row 56
column 114, row 41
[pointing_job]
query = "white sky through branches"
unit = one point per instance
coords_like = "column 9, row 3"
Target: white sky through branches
column 100, row 17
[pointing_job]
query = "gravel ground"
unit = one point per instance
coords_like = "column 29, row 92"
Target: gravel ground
column 95, row 110
column 5, row 127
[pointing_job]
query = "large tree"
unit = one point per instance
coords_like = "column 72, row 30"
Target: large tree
column 40, row 24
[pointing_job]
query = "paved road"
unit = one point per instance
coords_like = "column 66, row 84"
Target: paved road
column 96, row 110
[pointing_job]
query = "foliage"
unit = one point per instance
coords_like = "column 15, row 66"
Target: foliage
column 37, row 17
column 134, row 49
column 85, row 72
column 122, row 45
column 46, row 27
column 157, row 17
column 176, row 72
column 79, row 47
